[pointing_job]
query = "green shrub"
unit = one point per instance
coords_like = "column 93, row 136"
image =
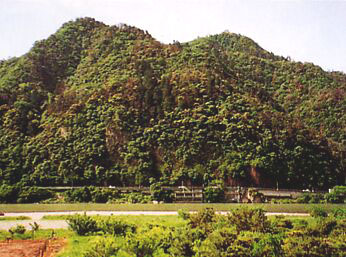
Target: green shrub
column 334, row 198
column 111, row 225
column 82, row 224
column 160, row 193
column 210, row 235
column 184, row 214
column 338, row 213
column 339, row 230
column 337, row 245
column 337, row 195
column 280, row 222
column 152, row 241
column 310, row 198
column 33, row 195
column 184, row 241
column 136, row 197
column 80, row 195
column 300, row 224
column 326, row 226
column 203, row 219
column 321, row 228
column 304, row 198
column 307, row 247
column 102, row 195
column 316, row 198
column 243, row 244
column 268, row 245
column 19, row 229
column 214, row 193
column 218, row 243
column 246, row 219
column 103, row 246
column 318, row 212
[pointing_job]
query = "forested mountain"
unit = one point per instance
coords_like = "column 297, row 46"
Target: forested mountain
column 110, row 105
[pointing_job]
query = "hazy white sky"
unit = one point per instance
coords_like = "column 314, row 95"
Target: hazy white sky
column 306, row 30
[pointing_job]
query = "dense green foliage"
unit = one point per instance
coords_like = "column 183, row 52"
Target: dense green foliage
column 101, row 105
column 214, row 192
column 337, row 195
column 243, row 232
column 161, row 194
column 16, row 194
column 83, row 224
column 18, row 229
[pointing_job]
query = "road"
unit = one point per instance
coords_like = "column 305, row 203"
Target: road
column 57, row 224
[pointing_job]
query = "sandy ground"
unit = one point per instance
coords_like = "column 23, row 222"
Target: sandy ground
column 55, row 224
column 31, row 248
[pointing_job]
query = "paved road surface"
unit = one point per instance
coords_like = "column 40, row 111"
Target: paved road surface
column 56, row 224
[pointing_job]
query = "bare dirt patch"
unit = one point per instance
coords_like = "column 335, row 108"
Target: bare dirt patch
column 31, row 248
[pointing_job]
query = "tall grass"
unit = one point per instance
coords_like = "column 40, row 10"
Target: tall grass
column 76, row 245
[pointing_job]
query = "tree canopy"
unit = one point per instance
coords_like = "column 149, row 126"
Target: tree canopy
column 110, row 105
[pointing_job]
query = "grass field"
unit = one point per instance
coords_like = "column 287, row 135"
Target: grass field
column 40, row 234
column 9, row 218
column 289, row 208
column 76, row 245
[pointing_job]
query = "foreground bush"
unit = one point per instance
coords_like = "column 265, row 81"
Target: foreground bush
column 111, row 225
column 19, row 229
column 339, row 213
column 310, row 246
column 203, row 220
column 318, row 212
column 82, row 224
column 244, row 232
column 103, row 247
column 246, row 219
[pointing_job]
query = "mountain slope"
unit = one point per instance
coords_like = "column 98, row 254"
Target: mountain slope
column 102, row 105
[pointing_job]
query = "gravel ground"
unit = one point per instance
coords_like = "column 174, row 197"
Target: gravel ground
column 44, row 224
